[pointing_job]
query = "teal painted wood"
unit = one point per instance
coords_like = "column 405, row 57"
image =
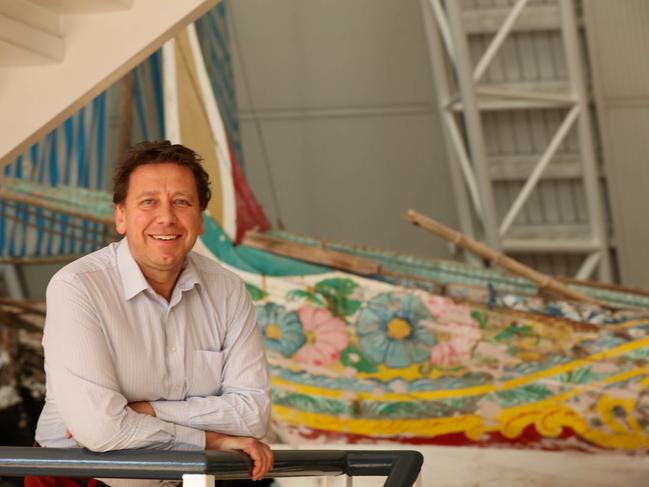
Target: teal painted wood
column 253, row 260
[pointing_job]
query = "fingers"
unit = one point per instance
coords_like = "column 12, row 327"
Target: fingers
column 262, row 457
column 260, row 453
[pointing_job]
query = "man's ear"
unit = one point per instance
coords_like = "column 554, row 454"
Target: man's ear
column 201, row 226
column 120, row 219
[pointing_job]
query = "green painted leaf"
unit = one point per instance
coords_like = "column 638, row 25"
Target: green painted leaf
column 523, row 395
column 310, row 404
column 582, row 375
column 299, row 294
column 336, row 286
column 255, row 293
column 342, row 306
column 481, row 318
column 515, row 330
column 353, row 357
column 351, row 306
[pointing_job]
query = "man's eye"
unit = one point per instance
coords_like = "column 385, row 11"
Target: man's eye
column 181, row 202
column 148, row 202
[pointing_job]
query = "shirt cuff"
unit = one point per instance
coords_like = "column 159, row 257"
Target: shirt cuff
column 189, row 438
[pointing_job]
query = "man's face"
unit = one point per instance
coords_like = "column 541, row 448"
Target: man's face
column 161, row 217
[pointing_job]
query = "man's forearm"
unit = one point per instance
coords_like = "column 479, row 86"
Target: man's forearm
column 213, row 439
column 231, row 414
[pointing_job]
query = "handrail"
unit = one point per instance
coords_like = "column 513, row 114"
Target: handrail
column 401, row 467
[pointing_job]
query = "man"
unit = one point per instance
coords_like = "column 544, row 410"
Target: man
column 148, row 344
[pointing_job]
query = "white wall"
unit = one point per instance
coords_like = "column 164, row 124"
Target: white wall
column 618, row 33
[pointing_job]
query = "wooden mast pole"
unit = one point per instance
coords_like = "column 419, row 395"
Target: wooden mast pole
column 543, row 281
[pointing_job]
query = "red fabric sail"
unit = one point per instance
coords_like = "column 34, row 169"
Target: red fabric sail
column 250, row 213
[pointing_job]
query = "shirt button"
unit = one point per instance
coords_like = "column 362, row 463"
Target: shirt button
column 172, row 349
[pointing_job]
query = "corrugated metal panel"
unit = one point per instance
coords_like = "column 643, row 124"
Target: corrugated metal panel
column 618, row 36
column 621, row 36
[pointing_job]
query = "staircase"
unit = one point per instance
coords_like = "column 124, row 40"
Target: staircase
column 57, row 55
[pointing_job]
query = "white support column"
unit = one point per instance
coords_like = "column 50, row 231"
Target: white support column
column 198, row 480
column 443, row 94
column 594, row 199
column 473, row 124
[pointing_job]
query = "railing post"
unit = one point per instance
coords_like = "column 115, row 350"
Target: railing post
column 339, row 481
column 198, row 480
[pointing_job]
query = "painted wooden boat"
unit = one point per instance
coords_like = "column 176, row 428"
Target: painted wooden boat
column 356, row 359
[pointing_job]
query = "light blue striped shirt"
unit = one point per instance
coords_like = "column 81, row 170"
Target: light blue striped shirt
column 110, row 339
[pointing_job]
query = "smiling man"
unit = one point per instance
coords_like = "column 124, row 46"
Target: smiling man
column 148, row 344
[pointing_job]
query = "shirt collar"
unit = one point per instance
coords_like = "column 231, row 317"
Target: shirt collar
column 189, row 276
column 134, row 281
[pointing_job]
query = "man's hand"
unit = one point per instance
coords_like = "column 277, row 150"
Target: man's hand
column 261, row 454
column 142, row 407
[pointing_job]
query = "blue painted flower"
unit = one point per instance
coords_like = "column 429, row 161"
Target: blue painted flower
column 281, row 329
column 391, row 331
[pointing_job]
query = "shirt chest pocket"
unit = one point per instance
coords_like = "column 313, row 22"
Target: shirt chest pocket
column 205, row 369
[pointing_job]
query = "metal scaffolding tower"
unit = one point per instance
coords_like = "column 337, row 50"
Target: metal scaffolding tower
column 513, row 96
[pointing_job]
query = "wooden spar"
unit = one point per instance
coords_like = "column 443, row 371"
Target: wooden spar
column 605, row 286
column 17, row 322
column 316, row 255
column 326, row 257
column 49, row 205
column 25, row 306
column 544, row 282
column 54, row 217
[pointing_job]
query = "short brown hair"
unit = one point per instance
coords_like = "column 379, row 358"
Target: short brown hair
column 151, row 152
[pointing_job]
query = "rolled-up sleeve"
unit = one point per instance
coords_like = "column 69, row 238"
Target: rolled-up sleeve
column 82, row 377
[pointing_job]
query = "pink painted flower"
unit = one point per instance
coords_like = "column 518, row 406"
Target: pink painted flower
column 444, row 355
column 445, row 310
column 458, row 348
column 325, row 336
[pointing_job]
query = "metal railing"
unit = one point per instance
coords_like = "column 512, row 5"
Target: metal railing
column 201, row 468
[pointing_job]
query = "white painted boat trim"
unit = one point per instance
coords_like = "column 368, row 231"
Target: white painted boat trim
column 229, row 223
column 170, row 90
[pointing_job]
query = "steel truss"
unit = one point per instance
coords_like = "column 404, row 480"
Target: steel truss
column 465, row 97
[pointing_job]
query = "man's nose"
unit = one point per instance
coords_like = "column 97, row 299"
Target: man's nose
column 166, row 213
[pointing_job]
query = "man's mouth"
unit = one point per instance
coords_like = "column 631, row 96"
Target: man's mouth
column 165, row 237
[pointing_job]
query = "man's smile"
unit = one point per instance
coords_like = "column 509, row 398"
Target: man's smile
column 165, row 237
